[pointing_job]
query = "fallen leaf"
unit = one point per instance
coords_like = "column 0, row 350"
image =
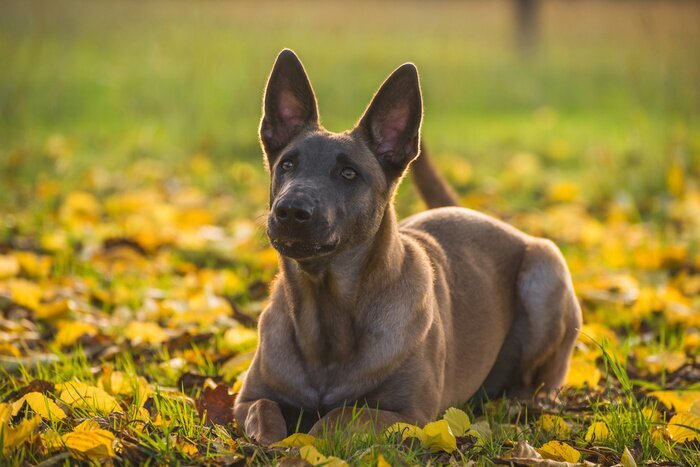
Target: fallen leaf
column 524, row 454
column 438, row 437
column 406, row 430
column 554, row 425
column 119, row 383
column 311, row 455
column 684, row 426
column 77, row 394
column 15, row 436
column 5, row 413
column 626, row 460
column 216, row 405
column 382, row 462
column 582, row 373
column 145, row 332
column 53, row 310
column 41, row 405
column 51, row 441
column 598, row 431
column 239, row 339
column 558, row 451
column 93, row 444
column 296, row 440
column 187, row 448
column 9, row 266
column 680, row 401
column 25, row 293
column 458, row 421
column 87, row 425
column 70, row 331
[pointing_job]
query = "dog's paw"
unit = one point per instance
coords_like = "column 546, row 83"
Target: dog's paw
column 265, row 423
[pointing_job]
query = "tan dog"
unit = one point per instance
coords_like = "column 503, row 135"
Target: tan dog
column 406, row 319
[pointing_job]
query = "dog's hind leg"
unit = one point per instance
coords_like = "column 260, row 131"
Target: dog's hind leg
column 547, row 323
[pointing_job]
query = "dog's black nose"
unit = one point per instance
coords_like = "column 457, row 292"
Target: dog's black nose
column 293, row 211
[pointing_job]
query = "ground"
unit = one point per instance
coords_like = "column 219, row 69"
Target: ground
column 133, row 260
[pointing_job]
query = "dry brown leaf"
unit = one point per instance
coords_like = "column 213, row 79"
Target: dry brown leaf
column 216, row 405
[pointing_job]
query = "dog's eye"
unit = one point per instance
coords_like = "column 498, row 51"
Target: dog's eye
column 287, row 165
column 348, row 173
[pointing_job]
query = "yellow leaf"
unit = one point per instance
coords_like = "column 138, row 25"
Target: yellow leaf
column 5, row 413
column 25, row 293
column 9, row 266
column 311, row 455
column 382, row 462
column 563, row 191
column 203, row 309
column 92, row 398
column 15, row 436
column 51, row 441
column 8, row 349
column 119, row 383
column 87, row 425
column 145, row 332
column 651, row 414
column 680, row 401
column 80, row 208
column 662, row 361
column 684, row 426
column 559, row 451
column 55, row 240
column 458, row 421
column 406, row 431
column 188, row 448
column 53, row 310
column 41, row 405
column 582, row 373
column 34, row 265
column 93, row 444
column 598, row 431
column 296, row 440
column 235, row 366
column 626, row 460
column 70, row 331
column 239, row 339
column 554, row 425
column 438, row 437
column 695, row 408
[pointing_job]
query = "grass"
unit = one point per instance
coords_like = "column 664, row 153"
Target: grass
column 133, row 189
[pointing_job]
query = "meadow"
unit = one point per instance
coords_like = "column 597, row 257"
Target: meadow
column 133, row 259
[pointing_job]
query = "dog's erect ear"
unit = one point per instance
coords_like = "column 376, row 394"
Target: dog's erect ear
column 392, row 121
column 289, row 105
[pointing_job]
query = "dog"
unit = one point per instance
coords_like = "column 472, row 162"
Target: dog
column 403, row 319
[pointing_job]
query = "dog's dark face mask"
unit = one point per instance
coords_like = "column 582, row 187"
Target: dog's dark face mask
column 329, row 191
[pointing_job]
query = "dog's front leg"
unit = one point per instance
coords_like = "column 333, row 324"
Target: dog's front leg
column 356, row 420
column 262, row 420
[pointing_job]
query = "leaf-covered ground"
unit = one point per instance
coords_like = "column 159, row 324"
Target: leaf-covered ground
column 128, row 313
column 133, row 261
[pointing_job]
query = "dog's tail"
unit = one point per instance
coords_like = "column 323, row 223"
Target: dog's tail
column 433, row 188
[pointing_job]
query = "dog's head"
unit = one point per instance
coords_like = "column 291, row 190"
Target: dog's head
column 329, row 191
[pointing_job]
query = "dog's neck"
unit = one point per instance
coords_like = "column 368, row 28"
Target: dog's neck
column 328, row 299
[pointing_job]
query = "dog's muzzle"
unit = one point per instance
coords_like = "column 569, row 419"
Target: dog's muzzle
column 297, row 229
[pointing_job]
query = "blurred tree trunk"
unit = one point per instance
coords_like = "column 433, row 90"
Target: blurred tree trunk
column 526, row 18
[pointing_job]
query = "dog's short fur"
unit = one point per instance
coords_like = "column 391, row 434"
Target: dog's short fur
column 406, row 318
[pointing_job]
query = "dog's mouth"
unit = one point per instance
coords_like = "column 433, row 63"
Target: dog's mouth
column 297, row 249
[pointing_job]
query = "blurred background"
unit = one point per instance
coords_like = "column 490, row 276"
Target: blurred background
column 603, row 94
